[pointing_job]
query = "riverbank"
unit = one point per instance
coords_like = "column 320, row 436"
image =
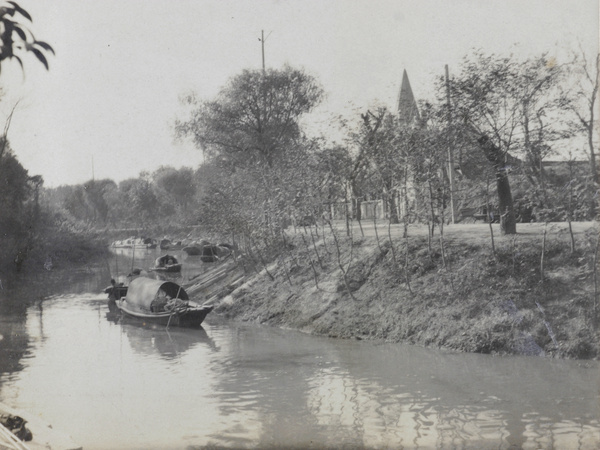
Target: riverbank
column 525, row 294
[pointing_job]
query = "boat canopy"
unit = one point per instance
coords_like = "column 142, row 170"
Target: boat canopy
column 164, row 260
column 143, row 291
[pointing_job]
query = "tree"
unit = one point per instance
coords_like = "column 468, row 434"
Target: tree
column 16, row 223
column 379, row 146
column 143, row 200
column 176, row 186
column 581, row 100
column 504, row 105
column 254, row 118
column 334, row 167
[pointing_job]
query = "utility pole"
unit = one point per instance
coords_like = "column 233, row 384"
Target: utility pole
column 262, row 40
column 450, row 149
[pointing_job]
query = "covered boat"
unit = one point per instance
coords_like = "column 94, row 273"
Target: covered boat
column 214, row 253
column 167, row 263
column 158, row 301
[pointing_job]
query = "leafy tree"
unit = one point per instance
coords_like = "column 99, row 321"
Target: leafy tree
column 252, row 137
column 16, row 40
column 378, row 147
column 143, row 199
column 506, row 106
column 176, row 186
column 95, row 191
column 334, row 167
column 581, row 100
column 254, row 118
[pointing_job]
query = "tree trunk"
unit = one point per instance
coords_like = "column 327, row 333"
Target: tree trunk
column 393, row 208
column 508, row 223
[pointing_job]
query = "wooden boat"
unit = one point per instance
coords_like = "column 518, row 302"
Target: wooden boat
column 136, row 243
column 115, row 290
column 192, row 250
column 157, row 301
column 166, row 263
column 214, row 253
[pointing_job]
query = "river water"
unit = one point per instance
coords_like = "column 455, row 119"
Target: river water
column 115, row 384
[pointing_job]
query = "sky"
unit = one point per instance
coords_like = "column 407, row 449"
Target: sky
column 106, row 107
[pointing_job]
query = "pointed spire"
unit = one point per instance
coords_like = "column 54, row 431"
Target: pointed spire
column 408, row 111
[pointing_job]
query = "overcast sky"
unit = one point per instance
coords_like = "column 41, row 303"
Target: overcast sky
column 112, row 91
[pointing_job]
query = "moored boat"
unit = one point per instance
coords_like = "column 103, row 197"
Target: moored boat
column 157, row 301
column 166, row 263
column 214, row 253
column 136, row 243
column 192, row 250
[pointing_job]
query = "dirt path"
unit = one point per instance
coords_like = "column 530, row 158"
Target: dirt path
column 467, row 231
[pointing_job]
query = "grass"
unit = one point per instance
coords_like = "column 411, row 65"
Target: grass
column 478, row 302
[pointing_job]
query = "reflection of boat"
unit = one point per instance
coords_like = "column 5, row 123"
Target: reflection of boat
column 159, row 301
column 166, row 263
column 169, row 344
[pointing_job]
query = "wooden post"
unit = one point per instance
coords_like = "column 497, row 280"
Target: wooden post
column 450, row 149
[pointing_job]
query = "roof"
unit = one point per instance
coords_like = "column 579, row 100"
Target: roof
column 408, row 111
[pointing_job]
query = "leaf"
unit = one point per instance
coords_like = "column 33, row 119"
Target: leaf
column 21, row 11
column 45, row 46
column 41, row 57
column 20, row 62
column 20, row 31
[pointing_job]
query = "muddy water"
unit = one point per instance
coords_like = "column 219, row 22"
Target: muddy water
column 116, row 384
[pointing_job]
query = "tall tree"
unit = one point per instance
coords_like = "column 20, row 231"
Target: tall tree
column 255, row 117
column 581, row 100
column 176, row 186
column 504, row 104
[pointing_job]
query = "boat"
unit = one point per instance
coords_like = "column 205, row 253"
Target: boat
column 214, row 253
column 158, row 301
column 192, row 250
column 166, row 263
column 136, row 243
column 116, row 290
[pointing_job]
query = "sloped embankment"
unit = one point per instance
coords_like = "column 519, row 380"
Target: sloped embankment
column 467, row 298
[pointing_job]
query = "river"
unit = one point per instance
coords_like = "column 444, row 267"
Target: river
column 114, row 384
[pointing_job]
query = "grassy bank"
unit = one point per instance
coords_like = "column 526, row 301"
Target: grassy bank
column 54, row 247
column 526, row 294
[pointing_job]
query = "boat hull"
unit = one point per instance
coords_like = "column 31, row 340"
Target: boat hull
column 192, row 250
column 173, row 268
column 189, row 318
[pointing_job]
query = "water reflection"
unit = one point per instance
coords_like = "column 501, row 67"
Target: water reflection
column 147, row 339
column 402, row 396
column 114, row 382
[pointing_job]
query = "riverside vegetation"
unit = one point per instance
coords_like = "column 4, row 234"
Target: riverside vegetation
column 530, row 294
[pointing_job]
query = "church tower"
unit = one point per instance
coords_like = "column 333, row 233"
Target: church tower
column 408, row 112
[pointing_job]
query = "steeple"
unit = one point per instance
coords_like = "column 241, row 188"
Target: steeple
column 408, row 112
